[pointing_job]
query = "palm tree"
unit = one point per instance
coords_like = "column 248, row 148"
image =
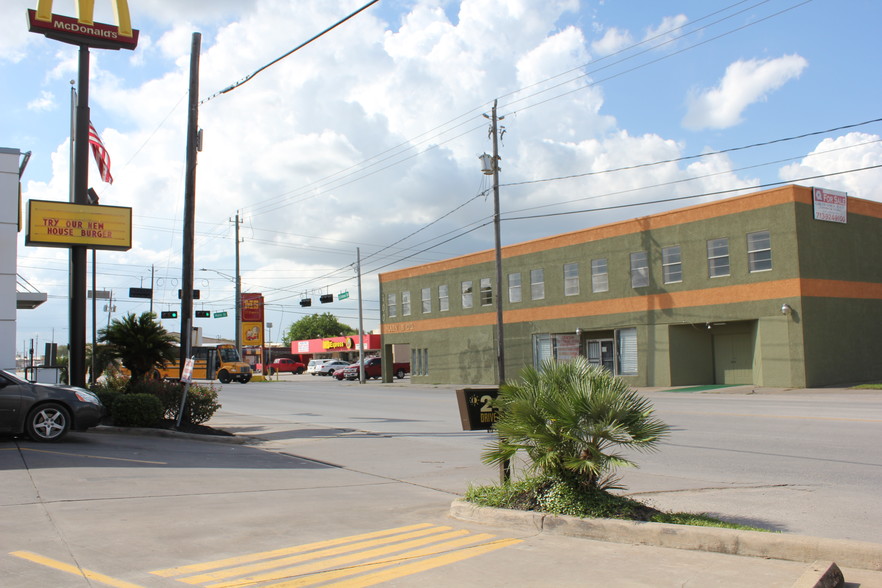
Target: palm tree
column 140, row 343
column 571, row 418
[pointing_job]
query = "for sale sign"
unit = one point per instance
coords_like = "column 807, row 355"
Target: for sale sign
column 830, row 205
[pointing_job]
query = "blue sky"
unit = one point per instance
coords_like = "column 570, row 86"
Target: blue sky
column 369, row 137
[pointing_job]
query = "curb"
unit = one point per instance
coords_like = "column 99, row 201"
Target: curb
column 148, row 432
column 799, row 548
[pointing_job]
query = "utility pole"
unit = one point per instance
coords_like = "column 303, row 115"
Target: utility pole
column 361, row 378
column 500, row 341
column 190, row 204
column 238, row 293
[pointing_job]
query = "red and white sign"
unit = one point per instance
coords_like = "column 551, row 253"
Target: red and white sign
column 830, row 205
column 187, row 375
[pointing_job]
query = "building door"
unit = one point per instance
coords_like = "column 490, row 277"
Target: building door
column 602, row 352
column 733, row 358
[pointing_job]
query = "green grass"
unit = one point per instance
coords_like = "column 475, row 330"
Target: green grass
column 868, row 387
column 559, row 497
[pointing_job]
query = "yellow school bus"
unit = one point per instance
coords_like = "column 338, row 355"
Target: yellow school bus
column 220, row 362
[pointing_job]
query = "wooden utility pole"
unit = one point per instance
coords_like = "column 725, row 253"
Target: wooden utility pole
column 190, row 204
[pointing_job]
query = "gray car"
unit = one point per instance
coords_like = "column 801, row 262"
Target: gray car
column 45, row 412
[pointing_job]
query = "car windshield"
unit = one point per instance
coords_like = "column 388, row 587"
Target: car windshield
column 12, row 377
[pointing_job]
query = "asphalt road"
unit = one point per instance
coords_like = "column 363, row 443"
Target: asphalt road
column 342, row 482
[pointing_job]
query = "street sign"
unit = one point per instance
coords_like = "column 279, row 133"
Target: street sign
column 99, row 294
column 140, row 292
column 220, row 314
column 476, row 408
column 195, row 294
column 342, row 295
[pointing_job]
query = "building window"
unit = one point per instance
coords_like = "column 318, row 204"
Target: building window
column 405, row 304
column 537, row 284
column 599, row 275
column 427, row 300
column 467, row 294
column 672, row 264
column 718, row 257
column 419, row 362
column 486, row 292
column 514, row 287
column 759, row 251
column 391, row 305
column 639, row 270
column 571, row 279
column 443, row 299
column 626, row 344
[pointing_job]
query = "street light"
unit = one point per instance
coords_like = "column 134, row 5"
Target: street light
column 237, row 280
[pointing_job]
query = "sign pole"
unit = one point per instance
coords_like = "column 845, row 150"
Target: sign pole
column 77, row 308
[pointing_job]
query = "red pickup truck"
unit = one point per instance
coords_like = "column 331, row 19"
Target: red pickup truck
column 284, row 364
column 373, row 368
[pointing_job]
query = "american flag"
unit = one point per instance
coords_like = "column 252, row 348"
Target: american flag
column 102, row 158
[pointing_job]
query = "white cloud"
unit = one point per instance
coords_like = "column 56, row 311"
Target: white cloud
column 666, row 29
column 45, row 102
column 744, row 83
column 848, row 152
column 613, row 40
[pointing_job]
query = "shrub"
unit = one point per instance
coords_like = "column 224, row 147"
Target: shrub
column 136, row 410
column 572, row 419
column 108, row 389
column 201, row 400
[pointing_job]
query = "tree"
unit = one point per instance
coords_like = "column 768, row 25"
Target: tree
column 317, row 326
column 140, row 343
column 571, row 418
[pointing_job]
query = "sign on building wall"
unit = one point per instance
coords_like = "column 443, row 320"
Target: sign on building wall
column 62, row 224
column 830, row 205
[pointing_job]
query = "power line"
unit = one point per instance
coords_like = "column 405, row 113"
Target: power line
column 250, row 76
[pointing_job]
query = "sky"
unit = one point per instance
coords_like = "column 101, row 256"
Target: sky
column 367, row 140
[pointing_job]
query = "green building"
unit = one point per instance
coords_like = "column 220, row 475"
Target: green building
column 781, row 288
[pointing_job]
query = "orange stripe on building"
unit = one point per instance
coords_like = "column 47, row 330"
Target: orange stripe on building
column 778, row 289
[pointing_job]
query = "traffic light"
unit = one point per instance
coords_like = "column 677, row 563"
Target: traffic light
column 169, row 314
column 203, row 314
column 325, row 298
column 306, row 302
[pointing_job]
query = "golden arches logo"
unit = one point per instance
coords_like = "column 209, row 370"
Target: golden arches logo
column 86, row 11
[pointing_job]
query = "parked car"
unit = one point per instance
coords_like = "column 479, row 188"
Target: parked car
column 284, row 364
column 315, row 364
column 373, row 368
column 339, row 374
column 329, row 368
column 45, row 412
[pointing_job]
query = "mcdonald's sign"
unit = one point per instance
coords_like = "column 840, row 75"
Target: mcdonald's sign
column 83, row 30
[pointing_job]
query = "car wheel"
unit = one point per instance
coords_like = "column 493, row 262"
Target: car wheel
column 224, row 377
column 399, row 374
column 245, row 379
column 331, row 372
column 48, row 422
column 155, row 375
column 299, row 371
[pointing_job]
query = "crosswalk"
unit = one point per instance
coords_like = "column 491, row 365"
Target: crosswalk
column 366, row 559
column 359, row 560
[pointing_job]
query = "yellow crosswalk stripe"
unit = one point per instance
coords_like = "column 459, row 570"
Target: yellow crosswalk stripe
column 61, row 566
column 356, row 548
column 329, row 575
column 234, row 561
column 422, row 566
column 357, row 560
